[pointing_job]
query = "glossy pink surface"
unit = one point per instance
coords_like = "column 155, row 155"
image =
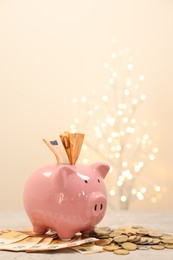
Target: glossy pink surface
column 66, row 198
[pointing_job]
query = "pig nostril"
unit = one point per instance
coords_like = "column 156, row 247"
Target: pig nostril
column 95, row 207
column 101, row 206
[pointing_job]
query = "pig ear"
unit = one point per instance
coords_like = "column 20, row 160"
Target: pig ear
column 101, row 169
column 60, row 176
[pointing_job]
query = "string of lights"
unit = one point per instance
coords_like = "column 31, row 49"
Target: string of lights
column 116, row 132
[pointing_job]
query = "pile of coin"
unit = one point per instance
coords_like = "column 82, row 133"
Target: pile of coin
column 125, row 239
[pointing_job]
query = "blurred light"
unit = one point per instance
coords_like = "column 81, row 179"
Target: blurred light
column 152, row 157
column 130, row 66
column 134, row 101
column 140, row 195
column 123, row 198
column 109, row 140
column 125, row 120
column 114, row 74
column 157, row 188
column 106, row 65
column 155, row 150
column 105, row 98
column 133, row 121
column 126, row 92
column 134, row 191
column 143, row 189
column 85, row 160
column 90, row 112
column 111, row 81
column 113, row 55
column 76, row 120
column 124, row 164
column 141, row 77
column 83, row 99
column 117, row 155
column 143, row 97
column 74, row 100
column 112, row 192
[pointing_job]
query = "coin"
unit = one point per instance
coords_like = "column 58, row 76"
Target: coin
column 143, row 247
column 169, row 246
column 115, row 233
column 154, row 233
column 111, row 247
column 137, row 226
column 168, row 241
column 121, row 252
column 132, row 238
column 103, row 242
column 129, row 246
column 157, row 247
column 155, row 241
column 143, row 240
column 121, row 238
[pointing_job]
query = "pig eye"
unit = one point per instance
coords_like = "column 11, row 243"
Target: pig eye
column 98, row 180
column 86, row 181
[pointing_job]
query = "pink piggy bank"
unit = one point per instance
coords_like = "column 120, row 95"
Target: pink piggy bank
column 66, row 198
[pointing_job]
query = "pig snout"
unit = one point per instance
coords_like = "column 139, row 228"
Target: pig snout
column 97, row 203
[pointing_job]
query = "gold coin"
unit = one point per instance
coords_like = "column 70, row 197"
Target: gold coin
column 130, row 231
column 89, row 244
column 103, row 242
column 120, row 239
column 115, row 233
column 143, row 240
column 168, row 241
column 143, row 231
column 143, row 247
column 158, row 247
column 155, row 233
column 166, row 237
column 169, row 246
column 111, row 247
column 132, row 238
column 136, row 226
column 129, row 246
column 121, row 252
column 155, row 241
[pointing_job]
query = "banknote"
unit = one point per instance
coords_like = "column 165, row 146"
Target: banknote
column 26, row 240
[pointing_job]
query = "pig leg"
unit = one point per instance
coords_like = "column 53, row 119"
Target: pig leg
column 39, row 229
column 65, row 233
column 87, row 233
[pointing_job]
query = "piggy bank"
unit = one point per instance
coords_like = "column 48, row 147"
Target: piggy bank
column 66, row 198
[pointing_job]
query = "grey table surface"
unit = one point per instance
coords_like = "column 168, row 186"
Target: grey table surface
column 162, row 221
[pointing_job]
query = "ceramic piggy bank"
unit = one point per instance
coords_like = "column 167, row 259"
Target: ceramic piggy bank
column 66, row 198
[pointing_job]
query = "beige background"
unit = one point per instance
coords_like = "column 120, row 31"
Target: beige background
column 53, row 50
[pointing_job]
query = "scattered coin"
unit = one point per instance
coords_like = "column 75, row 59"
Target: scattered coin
column 155, row 234
column 168, row 241
column 169, row 246
column 144, row 247
column 132, row 238
column 129, row 246
column 111, row 247
column 121, row 238
column 157, row 247
column 121, row 252
column 103, row 242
